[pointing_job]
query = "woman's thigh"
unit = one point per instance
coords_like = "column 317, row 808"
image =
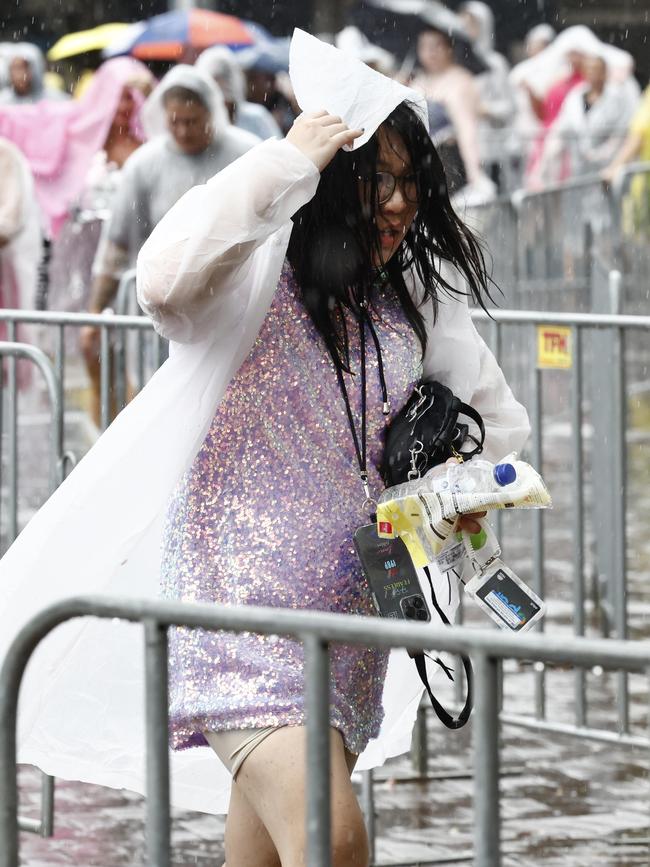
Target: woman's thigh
column 273, row 780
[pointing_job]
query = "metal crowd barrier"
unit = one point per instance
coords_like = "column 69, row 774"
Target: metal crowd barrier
column 543, row 243
column 58, row 458
column 609, row 488
column 317, row 631
column 109, row 325
column 609, row 336
column 54, row 327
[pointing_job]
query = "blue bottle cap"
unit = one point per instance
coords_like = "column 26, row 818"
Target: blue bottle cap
column 504, row 474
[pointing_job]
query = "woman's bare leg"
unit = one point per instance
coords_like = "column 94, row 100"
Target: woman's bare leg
column 272, row 780
column 247, row 841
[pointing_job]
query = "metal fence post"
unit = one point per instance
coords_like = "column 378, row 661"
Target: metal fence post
column 317, row 693
column 607, row 400
column 156, row 716
column 538, row 528
column 368, row 801
column 485, row 736
column 578, row 520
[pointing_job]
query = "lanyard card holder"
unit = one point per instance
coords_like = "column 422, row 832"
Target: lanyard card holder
column 498, row 591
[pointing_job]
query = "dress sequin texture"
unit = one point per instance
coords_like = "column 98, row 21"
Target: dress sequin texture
column 265, row 516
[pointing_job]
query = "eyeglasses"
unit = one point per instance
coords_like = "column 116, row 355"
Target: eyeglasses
column 386, row 183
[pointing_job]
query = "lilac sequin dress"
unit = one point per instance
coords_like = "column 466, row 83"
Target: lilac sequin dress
column 265, row 516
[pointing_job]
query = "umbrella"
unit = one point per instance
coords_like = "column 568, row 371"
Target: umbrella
column 86, row 40
column 170, row 35
column 395, row 25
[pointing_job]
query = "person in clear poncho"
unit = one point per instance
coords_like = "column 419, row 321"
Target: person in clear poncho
column 552, row 74
column 26, row 72
column 233, row 476
column 220, row 63
column 190, row 139
column 591, row 125
column 496, row 99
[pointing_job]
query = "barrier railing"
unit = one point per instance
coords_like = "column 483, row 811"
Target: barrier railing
column 58, row 458
column 108, row 324
column 606, row 351
column 543, row 242
column 316, row 631
column 609, row 480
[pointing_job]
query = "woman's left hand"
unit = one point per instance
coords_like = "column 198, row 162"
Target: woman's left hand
column 470, row 522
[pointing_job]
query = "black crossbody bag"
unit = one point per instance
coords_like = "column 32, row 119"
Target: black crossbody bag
column 427, row 431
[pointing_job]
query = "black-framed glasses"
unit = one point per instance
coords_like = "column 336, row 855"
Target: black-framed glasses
column 386, row 183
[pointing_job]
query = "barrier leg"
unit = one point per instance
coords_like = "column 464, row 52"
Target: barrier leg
column 317, row 687
column 485, row 735
column 157, row 704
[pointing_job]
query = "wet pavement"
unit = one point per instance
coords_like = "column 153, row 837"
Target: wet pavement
column 564, row 800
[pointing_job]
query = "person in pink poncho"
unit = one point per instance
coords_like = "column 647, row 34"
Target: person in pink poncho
column 61, row 139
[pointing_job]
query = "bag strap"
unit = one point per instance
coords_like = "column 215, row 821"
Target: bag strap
column 443, row 715
column 470, row 412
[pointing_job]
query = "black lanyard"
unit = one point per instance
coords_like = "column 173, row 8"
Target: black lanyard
column 360, row 439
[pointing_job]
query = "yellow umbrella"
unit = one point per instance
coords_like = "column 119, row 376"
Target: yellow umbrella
column 86, row 40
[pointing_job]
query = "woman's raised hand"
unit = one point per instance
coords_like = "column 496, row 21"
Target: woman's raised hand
column 320, row 135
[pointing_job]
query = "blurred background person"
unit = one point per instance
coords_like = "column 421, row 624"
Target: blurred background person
column 591, row 125
column 118, row 88
column 26, row 68
column 454, row 110
column 538, row 38
column 496, row 99
column 554, row 72
column 353, row 42
column 263, row 65
column 527, row 124
column 220, row 63
column 20, row 242
column 636, row 146
column 190, row 140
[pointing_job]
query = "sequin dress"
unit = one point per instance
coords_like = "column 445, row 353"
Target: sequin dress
column 265, row 516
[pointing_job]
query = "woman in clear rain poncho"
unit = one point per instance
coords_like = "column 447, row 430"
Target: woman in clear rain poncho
column 234, row 473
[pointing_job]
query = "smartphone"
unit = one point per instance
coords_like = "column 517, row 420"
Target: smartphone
column 391, row 576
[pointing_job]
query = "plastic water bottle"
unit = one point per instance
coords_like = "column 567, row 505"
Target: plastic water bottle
column 481, row 476
column 460, row 478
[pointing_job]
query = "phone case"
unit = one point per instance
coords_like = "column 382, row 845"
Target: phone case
column 391, row 576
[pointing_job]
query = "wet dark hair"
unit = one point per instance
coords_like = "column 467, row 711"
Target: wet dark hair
column 334, row 237
column 183, row 94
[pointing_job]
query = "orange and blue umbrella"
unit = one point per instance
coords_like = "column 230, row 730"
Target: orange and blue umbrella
column 170, row 35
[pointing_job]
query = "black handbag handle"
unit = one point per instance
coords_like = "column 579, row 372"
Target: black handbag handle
column 443, row 715
column 471, row 413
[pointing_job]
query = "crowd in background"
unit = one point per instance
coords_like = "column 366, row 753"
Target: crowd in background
column 107, row 161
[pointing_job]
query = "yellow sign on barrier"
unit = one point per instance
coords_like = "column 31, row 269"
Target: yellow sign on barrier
column 554, row 346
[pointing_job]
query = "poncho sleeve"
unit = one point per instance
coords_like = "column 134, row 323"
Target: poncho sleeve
column 458, row 356
column 199, row 253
